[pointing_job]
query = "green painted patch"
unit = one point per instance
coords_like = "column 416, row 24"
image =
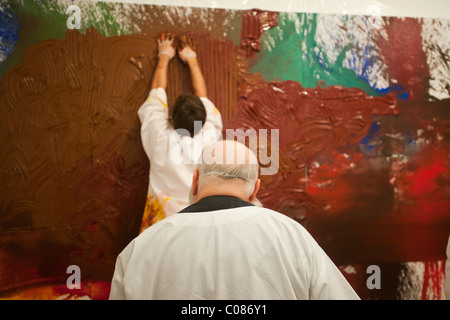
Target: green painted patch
column 290, row 52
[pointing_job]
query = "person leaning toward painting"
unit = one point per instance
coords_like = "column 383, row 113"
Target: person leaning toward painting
column 224, row 247
column 170, row 181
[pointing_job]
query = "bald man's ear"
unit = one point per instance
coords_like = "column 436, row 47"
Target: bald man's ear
column 255, row 191
column 195, row 183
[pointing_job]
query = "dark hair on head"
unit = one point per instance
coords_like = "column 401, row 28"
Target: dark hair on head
column 187, row 109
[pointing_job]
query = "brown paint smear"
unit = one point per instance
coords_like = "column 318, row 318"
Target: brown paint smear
column 254, row 23
column 74, row 173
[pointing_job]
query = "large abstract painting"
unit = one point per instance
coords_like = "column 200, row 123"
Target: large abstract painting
column 362, row 105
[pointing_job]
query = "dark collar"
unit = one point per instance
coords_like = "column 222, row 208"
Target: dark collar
column 213, row 203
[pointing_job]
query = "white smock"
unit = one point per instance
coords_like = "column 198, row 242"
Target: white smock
column 239, row 253
column 172, row 156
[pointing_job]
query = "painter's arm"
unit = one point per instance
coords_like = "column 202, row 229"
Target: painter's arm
column 154, row 112
column 189, row 56
column 198, row 82
column 160, row 76
column 166, row 52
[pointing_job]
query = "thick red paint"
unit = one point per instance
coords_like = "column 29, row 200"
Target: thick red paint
column 433, row 277
column 423, row 181
column 379, row 214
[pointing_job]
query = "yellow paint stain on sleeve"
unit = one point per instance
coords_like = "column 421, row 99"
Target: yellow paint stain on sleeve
column 153, row 212
column 163, row 103
column 155, row 97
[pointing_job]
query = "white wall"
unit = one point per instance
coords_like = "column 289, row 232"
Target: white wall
column 399, row 8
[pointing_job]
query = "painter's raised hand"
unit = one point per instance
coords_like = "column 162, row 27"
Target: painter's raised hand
column 186, row 54
column 186, row 48
column 165, row 45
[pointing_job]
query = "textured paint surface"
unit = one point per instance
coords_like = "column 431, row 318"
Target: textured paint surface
column 73, row 166
column 362, row 109
column 72, row 163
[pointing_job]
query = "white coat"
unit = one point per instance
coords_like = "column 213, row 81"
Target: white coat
column 173, row 157
column 245, row 252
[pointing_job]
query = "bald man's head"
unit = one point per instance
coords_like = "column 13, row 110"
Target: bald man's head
column 226, row 166
column 228, row 152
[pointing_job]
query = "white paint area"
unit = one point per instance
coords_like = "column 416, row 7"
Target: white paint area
column 356, row 35
column 436, row 45
column 397, row 8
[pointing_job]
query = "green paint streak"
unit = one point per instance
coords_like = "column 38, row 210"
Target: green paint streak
column 290, row 52
column 102, row 17
column 40, row 20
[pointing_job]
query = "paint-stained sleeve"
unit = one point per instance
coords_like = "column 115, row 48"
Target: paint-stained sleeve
column 154, row 117
column 213, row 116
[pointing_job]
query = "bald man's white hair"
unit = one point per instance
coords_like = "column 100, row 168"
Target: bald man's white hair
column 228, row 160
